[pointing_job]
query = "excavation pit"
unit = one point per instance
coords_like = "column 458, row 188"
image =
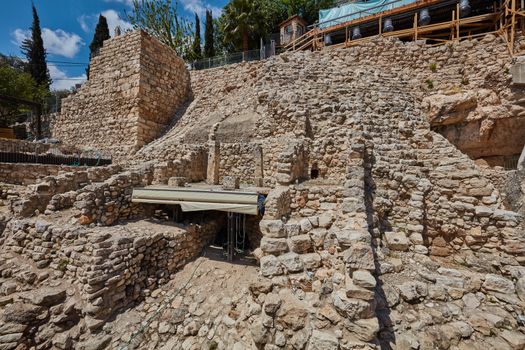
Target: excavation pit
column 236, row 214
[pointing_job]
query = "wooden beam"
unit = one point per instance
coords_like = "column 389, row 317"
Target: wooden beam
column 410, row 7
column 513, row 29
column 458, row 20
column 415, row 26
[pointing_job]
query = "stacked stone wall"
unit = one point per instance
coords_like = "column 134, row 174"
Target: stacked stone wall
column 188, row 161
column 51, row 189
column 28, row 174
column 237, row 159
column 111, row 268
column 135, row 86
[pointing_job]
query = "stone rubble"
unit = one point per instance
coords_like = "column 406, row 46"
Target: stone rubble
column 378, row 233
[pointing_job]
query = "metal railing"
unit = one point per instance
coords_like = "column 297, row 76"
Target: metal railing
column 511, row 162
column 253, row 55
column 54, row 156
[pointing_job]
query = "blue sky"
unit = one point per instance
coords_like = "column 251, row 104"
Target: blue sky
column 68, row 27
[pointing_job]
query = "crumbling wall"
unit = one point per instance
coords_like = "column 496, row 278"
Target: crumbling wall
column 135, row 86
column 52, row 188
column 28, row 174
column 113, row 267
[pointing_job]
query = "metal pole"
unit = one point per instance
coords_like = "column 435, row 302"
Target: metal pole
column 38, row 123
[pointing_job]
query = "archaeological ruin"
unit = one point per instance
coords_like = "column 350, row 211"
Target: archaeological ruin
column 361, row 197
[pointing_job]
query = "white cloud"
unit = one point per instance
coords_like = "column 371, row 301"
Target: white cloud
column 200, row 6
column 19, row 35
column 56, row 42
column 61, row 81
column 83, row 21
column 126, row 2
column 114, row 20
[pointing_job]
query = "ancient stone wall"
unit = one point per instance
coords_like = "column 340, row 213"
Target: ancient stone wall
column 135, row 86
column 238, row 159
column 110, row 268
column 188, row 161
column 28, row 174
column 50, row 188
column 8, row 145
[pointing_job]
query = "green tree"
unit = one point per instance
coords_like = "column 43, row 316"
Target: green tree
column 308, row 9
column 209, row 36
column 101, row 34
column 33, row 48
column 16, row 83
column 159, row 18
column 219, row 44
column 241, row 22
column 196, row 49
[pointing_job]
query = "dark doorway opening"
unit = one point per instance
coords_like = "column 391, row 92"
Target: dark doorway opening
column 314, row 172
column 235, row 239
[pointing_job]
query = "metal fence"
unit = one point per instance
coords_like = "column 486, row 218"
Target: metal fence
column 55, row 156
column 253, row 55
column 511, row 162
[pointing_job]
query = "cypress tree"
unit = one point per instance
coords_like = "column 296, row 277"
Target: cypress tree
column 101, row 34
column 196, row 48
column 33, row 49
column 209, row 50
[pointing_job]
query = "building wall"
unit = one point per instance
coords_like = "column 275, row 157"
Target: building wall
column 136, row 84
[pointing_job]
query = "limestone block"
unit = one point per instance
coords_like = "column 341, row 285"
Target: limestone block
column 323, row 341
column 177, row 181
column 306, row 225
column 300, row 244
column 352, row 309
column 363, row 278
column 230, row 182
column 364, row 329
column 498, row 284
column 272, row 228
column 271, row 266
column 360, row 256
column 311, row 261
column 397, row 241
column 292, row 262
column 354, row 291
column 275, row 246
column 347, row 237
column 413, row 290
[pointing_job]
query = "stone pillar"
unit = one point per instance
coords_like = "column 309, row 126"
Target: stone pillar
column 214, row 159
column 214, row 156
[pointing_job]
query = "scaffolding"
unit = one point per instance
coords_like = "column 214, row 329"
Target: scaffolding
column 449, row 23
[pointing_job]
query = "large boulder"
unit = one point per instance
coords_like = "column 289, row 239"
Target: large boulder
column 23, row 313
column 478, row 123
column 449, row 109
column 45, row 296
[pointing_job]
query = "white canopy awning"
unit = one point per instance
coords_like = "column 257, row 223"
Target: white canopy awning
column 199, row 200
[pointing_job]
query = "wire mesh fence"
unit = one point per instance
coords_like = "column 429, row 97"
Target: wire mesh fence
column 38, row 153
column 253, row 55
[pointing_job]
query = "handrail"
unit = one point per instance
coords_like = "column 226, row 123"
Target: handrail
column 299, row 39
